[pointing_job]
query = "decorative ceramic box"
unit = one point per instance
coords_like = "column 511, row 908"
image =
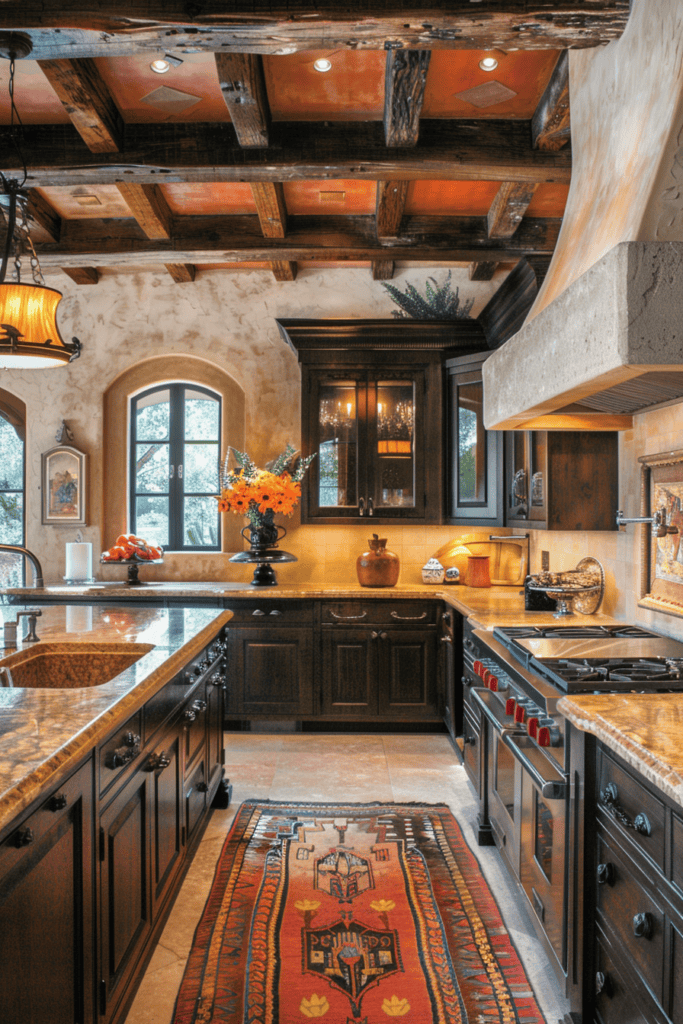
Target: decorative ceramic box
column 433, row 571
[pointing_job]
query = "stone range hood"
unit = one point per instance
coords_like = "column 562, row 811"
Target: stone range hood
column 609, row 346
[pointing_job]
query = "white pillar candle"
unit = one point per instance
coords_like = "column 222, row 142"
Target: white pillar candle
column 79, row 561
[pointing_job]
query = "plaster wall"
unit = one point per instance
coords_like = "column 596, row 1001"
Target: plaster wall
column 627, row 144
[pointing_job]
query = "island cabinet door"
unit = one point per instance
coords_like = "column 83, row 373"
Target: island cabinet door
column 407, row 680
column 164, row 765
column 349, row 680
column 270, row 671
column 125, row 884
column 214, row 734
column 47, row 970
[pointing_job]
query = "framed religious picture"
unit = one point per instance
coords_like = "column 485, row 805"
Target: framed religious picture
column 63, row 484
column 662, row 550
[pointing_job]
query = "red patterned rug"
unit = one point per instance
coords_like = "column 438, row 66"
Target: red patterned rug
column 355, row 913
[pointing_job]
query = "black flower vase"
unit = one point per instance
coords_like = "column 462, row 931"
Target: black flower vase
column 263, row 550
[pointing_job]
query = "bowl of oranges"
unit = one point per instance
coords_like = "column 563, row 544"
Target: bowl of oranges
column 133, row 552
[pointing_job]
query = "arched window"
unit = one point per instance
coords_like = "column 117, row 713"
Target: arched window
column 12, row 484
column 175, row 448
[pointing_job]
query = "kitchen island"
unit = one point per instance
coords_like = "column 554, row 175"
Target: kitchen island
column 105, row 789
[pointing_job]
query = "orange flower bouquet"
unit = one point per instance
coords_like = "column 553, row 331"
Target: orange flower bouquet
column 260, row 493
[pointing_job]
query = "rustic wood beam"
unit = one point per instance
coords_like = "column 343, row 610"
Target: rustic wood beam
column 237, row 239
column 404, row 89
column 284, row 270
column 240, row 76
column 448, row 151
column 97, row 28
column 508, row 208
column 87, row 101
column 382, row 270
column 551, row 123
column 390, row 204
column 82, row 275
column 481, row 271
column 43, row 213
column 150, row 209
column 269, row 197
column 181, row 272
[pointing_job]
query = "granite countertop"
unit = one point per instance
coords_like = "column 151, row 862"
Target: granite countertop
column 44, row 733
column 642, row 728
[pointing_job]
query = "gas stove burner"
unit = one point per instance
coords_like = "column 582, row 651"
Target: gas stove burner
column 608, row 671
column 573, row 632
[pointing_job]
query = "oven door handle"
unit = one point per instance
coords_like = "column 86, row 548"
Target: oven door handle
column 554, row 788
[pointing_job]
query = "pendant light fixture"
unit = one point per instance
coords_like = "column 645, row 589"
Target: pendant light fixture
column 29, row 336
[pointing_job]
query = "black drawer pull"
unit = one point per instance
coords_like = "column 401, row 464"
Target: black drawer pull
column 157, row 762
column 202, row 787
column 408, row 618
column 609, row 798
column 348, row 618
column 606, row 875
column 603, row 985
column 125, row 754
column 466, row 681
column 643, row 926
column 57, row 802
column 195, row 707
column 217, row 679
column 22, row 837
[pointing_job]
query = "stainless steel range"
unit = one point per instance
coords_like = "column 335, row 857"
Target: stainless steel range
column 517, row 748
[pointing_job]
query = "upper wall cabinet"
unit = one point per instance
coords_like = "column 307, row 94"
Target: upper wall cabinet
column 372, row 412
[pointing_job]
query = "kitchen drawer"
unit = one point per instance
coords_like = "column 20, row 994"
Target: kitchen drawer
column 379, row 613
column 626, row 906
column 625, row 800
column 269, row 612
column 122, row 749
column 614, row 1000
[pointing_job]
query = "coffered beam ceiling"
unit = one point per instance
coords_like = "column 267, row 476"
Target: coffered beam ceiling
column 98, row 28
column 243, row 86
column 404, row 90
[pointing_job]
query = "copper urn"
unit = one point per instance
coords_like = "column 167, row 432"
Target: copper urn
column 378, row 567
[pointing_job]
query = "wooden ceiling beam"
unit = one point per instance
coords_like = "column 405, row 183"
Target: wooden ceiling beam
column 284, row 270
column 481, row 271
column 240, row 76
column 509, row 207
column 87, row 101
column 149, row 207
column 82, row 275
column 551, row 122
column 181, row 273
column 405, row 78
column 43, row 213
column 271, row 208
column 238, row 239
column 389, row 207
column 382, row 270
column 302, row 151
column 97, row 28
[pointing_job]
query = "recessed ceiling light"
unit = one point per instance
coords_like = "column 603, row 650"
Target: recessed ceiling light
column 322, row 64
column 488, row 64
column 160, row 66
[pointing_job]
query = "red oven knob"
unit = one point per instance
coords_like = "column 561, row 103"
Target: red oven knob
column 543, row 736
column 548, row 734
column 492, row 683
column 520, row 714
column 510, row 705
column 532, row 727
column 477, row 668
column 485, row 676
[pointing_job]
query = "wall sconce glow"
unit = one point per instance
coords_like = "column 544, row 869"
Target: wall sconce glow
column 488, row 64
column 322, row 64
column 160, row 67
column 29, row 335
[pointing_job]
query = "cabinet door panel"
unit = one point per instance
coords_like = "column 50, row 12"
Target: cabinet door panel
column 166, row 817
column 46, row 907
column 271, row 671
column 349, row 673
column 409, row 688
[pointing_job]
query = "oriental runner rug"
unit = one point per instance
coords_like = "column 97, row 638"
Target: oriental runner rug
column 353, row 913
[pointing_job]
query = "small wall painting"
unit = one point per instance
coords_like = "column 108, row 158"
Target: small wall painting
column 662, row 556
column 64, row 486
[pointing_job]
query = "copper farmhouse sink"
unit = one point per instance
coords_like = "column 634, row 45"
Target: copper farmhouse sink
column 62, row 666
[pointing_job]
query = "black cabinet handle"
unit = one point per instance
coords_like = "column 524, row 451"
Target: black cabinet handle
column 466, row 681
column 195, row 707
column 603, row 985
column 125, row 754
column 157, row 762
column 57, row 802
column 643, row 925
column 217, row 679
column 22, row 837
column 606, row 874
column 202, row 787
column 609, row 797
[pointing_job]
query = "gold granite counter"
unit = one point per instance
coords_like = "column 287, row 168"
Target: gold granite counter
column 642, row 728
column 46, row 732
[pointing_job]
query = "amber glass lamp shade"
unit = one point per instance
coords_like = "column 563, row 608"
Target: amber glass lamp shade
column 29, row 336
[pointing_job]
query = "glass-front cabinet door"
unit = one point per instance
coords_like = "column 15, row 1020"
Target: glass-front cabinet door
column 365, row 431
column 527, row 477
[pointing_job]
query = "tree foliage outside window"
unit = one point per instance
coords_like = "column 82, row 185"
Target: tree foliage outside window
column 11, row 502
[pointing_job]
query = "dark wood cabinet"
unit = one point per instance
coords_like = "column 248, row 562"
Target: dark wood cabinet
column 270, row 671
column 475, row 455
column 562, row 479
column 372, row 412
column 379, row 660
column 47, row 925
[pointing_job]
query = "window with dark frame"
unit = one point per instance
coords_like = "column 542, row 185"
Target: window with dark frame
column 12, row 503
column 174, row 466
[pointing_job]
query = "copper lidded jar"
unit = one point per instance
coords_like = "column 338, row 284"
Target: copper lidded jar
column 378, row 567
